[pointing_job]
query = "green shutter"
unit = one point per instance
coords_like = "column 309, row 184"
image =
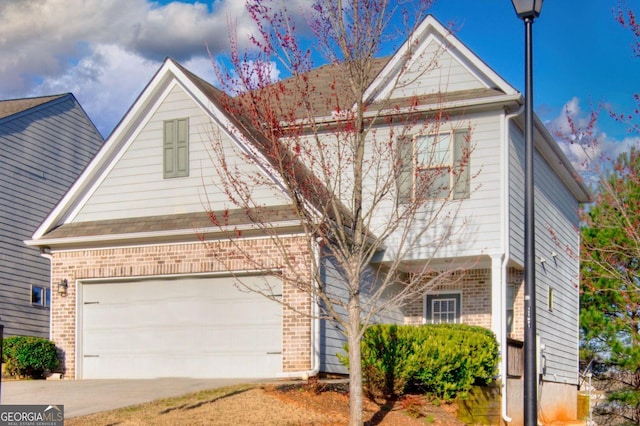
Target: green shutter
column 461, row 165
column 404, row 173
column 169, row 149
column 182, row 144
column 176, row 148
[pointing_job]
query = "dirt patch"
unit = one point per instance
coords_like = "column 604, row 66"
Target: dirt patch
column 333, row 401
column 277, row 404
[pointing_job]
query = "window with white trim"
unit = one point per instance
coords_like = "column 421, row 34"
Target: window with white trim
column 442, row 308
column 40, row 296
column 434, row 165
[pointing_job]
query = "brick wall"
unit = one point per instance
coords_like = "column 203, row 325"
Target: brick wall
column 187, row 258
column 515, row 278
column 475, row 289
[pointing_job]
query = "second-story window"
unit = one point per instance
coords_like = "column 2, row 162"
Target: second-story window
column 434, row 166
column 176, row 148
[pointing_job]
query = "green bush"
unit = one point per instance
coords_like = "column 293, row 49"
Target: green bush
column 444, row 360
column 448, row 359
column 385, row 353
column 29, row 356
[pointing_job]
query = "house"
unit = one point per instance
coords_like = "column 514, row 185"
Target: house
column 46, row 143
column 145, row 297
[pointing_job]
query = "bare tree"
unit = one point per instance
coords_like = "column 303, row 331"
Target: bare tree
column 367, row 182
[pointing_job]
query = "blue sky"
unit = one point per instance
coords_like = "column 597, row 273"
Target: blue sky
column 105, row 52
column 580, row 51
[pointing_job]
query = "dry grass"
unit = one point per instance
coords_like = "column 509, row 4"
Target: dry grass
column 263, row 405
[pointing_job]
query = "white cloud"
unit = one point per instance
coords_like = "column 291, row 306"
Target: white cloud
column 589, row 149
column 105, row 83
column 106, row 51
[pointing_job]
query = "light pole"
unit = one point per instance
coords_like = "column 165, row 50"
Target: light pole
column 528, row 10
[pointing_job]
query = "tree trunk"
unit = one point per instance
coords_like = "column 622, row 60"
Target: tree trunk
column 355, row 364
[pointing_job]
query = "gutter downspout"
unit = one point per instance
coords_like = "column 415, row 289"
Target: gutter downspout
column 46, row 253
column 315, row 333
column 505, row 259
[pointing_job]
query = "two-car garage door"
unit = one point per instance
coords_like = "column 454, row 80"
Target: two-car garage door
column 187, row 327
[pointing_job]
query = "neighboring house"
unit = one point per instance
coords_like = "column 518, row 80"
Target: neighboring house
column 45, row 144
column 145, row 298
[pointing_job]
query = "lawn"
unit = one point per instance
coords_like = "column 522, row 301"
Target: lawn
column 292, row 404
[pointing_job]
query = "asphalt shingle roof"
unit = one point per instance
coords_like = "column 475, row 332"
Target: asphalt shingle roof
column 13, row 106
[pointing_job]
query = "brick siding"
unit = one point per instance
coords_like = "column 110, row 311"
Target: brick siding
column 186, row 259
column 515, row 278
column 475, row 290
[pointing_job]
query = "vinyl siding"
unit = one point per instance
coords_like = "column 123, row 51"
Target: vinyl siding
column 516, row 194
column 135, row 187
column 480, row 217
column 43, row 150
column 435, row 70
column 332, row 339
column 556, row 231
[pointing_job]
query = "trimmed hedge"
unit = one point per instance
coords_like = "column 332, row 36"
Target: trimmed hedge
column 27, row 356
column 443, row 360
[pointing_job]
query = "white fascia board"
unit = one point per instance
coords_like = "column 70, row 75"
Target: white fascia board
column 432, row 30
column 106, row 154
column 226, row 127
column 548, row 147
column 149, row 235
column 237, row 137
column 467, row 103
column 117, row 155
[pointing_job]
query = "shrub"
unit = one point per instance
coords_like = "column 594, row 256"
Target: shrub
column 444, row 360
column 385, row 353
column 29, row 356
column 448, row 359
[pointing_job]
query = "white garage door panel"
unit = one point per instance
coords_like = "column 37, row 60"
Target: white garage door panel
column 192, row 327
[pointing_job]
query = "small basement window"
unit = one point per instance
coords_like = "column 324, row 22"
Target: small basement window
column 40, row 296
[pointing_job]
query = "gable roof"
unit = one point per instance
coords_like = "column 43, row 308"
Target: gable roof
column 328, row 88
column 211, row 100
column 217, row 104
column 429, row 31
column 11, row 107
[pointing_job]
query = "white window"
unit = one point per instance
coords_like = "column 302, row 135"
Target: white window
column 442, row 308
column 40, row 296
column 434, row 166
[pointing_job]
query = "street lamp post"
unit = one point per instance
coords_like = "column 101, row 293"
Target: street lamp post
column 528, row 10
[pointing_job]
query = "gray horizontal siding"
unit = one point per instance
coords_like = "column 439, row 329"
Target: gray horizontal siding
column 516, row 194
column 555, row 232
column 332, row 338
column 42, row 152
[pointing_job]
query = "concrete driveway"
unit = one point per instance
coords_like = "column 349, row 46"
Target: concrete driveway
column 82, row 397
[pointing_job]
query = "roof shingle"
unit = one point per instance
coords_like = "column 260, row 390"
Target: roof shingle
column 10, row 107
